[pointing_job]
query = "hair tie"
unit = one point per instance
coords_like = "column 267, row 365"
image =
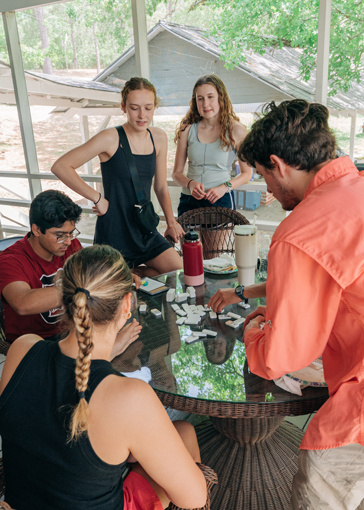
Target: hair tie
column 81, row 394
column 85, row 291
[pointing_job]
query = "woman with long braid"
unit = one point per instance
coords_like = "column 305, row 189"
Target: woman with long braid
column 69, row 422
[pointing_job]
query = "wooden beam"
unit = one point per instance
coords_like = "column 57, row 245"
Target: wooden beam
column 21, row 95
column 352, row 134
column 323, row 46
column 140, row 38
column 18, row 5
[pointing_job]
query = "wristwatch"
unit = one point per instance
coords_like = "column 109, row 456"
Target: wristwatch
column 239, row 291
column 228, row 185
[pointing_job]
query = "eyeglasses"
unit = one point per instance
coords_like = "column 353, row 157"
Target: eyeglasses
column 63, row 237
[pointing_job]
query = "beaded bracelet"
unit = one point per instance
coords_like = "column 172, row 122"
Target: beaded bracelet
column 188, row 184
column 95, row 203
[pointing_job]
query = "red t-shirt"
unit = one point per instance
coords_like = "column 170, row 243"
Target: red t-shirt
column 20, row 263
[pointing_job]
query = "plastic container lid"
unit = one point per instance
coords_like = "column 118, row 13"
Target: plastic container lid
column 191, row 236
column 245, row 230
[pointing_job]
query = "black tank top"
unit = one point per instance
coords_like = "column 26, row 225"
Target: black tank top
column 43, row 471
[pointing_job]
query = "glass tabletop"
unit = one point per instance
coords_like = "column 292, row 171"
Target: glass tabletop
column 211, row 369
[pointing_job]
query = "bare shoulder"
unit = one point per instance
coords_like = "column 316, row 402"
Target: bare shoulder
column 16, row 353
column 183, row 135
column 109, row 135
column 239, row 131
column 128, row 393
column 159, row 136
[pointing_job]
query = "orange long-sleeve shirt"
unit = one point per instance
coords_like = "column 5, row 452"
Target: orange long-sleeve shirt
column 315, row 301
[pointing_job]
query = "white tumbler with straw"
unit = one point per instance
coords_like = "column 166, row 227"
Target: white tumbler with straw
column 246, row 253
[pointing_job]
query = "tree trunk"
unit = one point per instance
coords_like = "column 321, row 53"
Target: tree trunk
column 75, row 66
column 47, row 65
column 96, row 48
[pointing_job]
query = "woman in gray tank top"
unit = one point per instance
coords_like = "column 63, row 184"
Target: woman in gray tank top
column 207, row 138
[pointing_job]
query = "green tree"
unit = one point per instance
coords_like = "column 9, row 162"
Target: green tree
column 242, row 25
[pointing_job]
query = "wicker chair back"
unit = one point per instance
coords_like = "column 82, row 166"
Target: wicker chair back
column 216, row 228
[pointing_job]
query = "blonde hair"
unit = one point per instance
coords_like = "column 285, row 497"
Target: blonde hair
column 227, row 114
column 94, row 282
column 137, row 83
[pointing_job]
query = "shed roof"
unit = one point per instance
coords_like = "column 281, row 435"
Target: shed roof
column 180, row 54
column 60, row 91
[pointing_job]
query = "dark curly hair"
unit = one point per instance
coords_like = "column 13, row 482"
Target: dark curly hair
column 52, row 208
column 295, row 131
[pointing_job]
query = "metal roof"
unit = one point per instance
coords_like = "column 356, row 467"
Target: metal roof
column 278, row 68
column 59, row 91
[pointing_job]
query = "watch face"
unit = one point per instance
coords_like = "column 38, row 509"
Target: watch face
column 228, row 184
column 239, row 290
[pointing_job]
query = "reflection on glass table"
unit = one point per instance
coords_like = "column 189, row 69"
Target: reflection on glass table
column 246, row 442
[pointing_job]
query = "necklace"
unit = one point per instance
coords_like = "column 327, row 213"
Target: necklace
column 134, row 148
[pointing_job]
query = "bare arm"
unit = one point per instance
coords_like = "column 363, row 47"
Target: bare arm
column 104, row 145
column 161, row 452
column 197, row 188
column 27, row 301
column 239, row 133
column 161, row 186
column 224, row 297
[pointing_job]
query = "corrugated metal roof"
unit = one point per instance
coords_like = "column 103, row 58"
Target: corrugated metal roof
column 278, row 68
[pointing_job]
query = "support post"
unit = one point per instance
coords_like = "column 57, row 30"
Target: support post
column 352, row 134
column 85, row 136
column 323, row 46
column 22, row 101
column 140, row 38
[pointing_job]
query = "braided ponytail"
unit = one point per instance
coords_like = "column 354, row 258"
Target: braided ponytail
column 84, row 326
column 94, row 282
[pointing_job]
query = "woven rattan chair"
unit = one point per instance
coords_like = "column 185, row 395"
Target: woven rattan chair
column 3, row 505
column 216, row 228
column 209, row 474
column 211, row 480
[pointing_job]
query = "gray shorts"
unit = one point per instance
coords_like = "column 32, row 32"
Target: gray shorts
column 329, row 479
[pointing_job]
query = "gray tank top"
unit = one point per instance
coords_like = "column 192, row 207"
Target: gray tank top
column 208, row 163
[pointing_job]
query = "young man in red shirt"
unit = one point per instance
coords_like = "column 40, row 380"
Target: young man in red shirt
column 27, row 268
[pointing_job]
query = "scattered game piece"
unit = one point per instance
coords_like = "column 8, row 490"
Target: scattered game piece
column 171, row 294
column 191, row 292
column 156, row 312
column 142, row 308
column 231, row 324
column 175, row 307
column 234, row 315
column 192, row 319
column 240, row 321
column 246, row 306
column 213, row 315
column 180, row 312
column 180, row 321
column 181, row 297
column 223, row 317
column 209, row 332
column 187, row 308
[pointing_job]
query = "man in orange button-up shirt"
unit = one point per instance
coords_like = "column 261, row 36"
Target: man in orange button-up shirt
column 315, row 301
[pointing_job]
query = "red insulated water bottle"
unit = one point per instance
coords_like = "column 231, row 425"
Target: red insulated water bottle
column 192, row 259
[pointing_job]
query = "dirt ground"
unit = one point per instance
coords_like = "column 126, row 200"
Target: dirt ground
column 54, row 136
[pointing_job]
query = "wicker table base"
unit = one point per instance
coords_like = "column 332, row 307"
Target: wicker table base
column 255, row 460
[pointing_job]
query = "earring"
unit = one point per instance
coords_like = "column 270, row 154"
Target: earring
column 126, row 317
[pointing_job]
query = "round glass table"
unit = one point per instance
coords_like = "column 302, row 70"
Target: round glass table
column 246, row 441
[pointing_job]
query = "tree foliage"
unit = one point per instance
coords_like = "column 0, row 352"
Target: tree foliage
column 242, row 25
column 73, row 26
